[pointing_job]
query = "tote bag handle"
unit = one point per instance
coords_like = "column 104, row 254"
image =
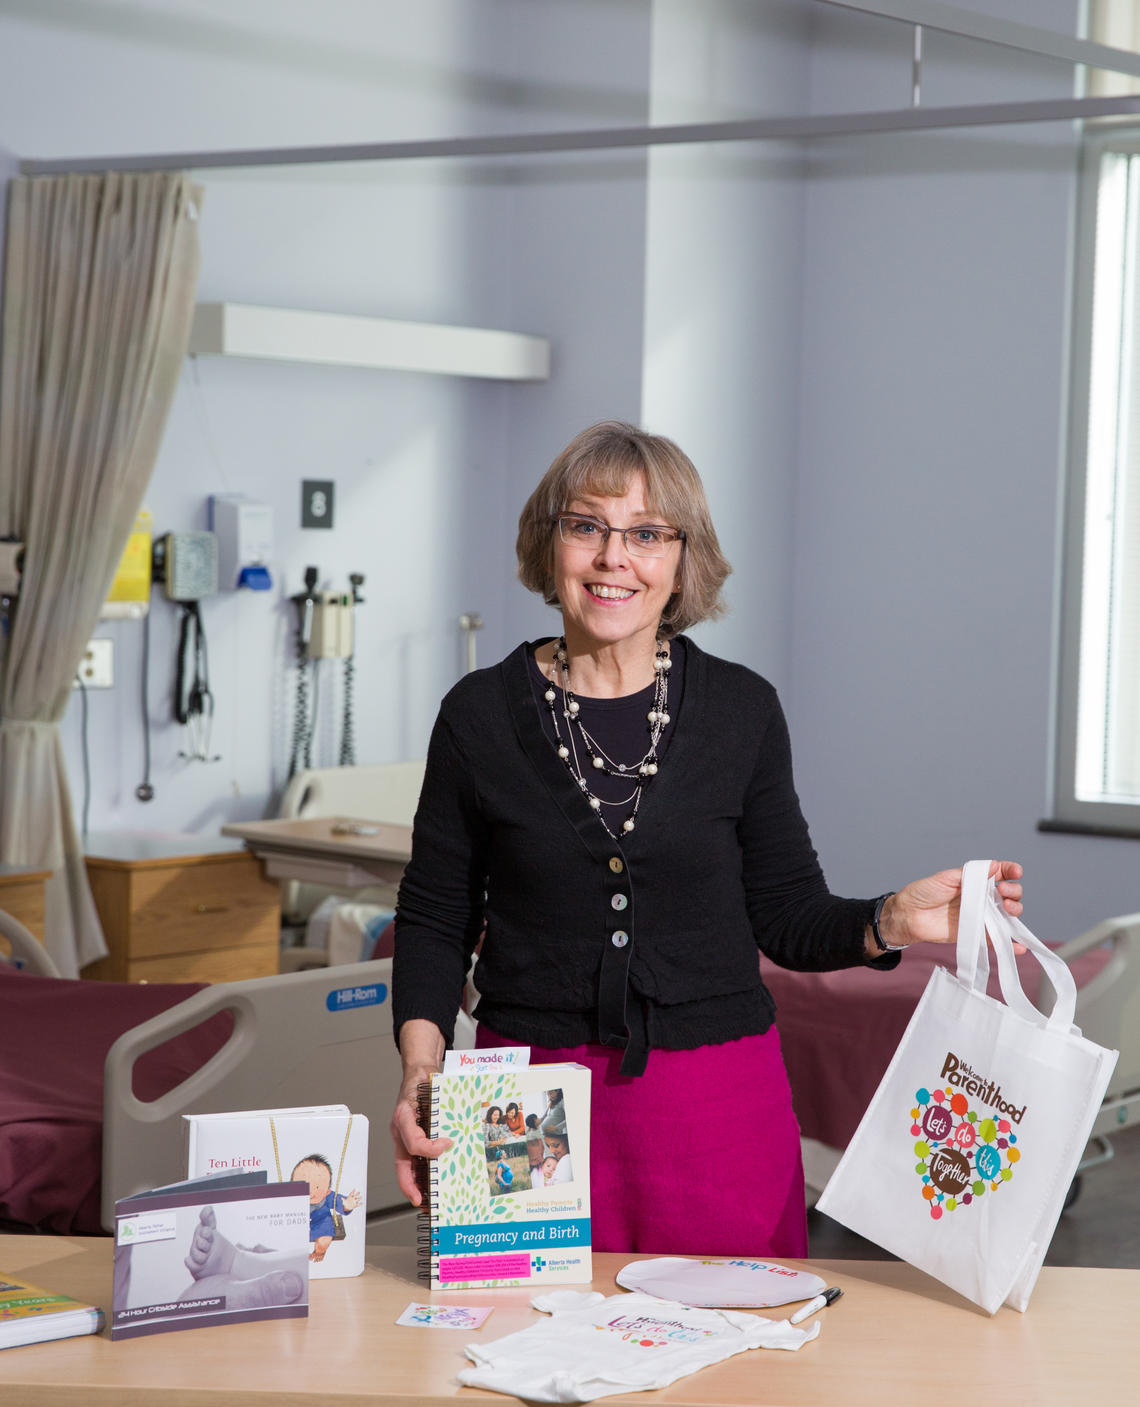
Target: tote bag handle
column 982, row 910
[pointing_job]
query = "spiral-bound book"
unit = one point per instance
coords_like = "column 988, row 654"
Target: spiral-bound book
column 509, row 1202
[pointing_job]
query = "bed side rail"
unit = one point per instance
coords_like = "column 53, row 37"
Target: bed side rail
column 318, row 1037
column 26, row 951
column 1108, row 1005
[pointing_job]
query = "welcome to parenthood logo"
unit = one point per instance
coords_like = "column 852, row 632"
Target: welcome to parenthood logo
column 963, row 1154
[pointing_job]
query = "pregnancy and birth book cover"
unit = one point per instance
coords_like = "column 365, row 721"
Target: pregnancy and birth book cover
column 509, row 1202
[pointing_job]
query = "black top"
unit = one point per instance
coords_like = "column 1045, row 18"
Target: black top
column 619, row 726
column 645, row 942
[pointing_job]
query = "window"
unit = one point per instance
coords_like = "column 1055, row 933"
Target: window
column 1097, row 778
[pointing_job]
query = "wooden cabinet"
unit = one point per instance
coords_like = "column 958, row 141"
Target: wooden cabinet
column 182, row 910
column 22, row 896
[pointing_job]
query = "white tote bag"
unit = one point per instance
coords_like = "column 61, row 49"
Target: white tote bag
column 963, row 1159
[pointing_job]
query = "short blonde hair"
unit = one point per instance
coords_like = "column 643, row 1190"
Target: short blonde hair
column 602, row 461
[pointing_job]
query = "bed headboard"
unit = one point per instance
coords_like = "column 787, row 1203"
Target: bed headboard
column 382, row 791
column 316, row 1037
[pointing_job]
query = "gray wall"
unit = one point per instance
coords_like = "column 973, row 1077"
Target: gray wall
column 933, row 392
column 430, row 472
column 723, row 278
column 9, row 167
column 861, row 343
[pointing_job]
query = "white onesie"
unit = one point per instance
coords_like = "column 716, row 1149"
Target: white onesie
column 595, row 1347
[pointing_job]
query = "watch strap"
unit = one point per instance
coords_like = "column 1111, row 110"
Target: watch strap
column 880, row 942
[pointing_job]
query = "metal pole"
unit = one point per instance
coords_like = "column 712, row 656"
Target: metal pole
column 469, row 623
column 757, row 129
column 988, row 29
column 916, row 68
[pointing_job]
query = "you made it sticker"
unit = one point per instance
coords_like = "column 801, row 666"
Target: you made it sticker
column 962, row 1154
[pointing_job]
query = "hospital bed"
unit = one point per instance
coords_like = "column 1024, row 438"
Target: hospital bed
column 97, row 1076
column 838, row 1031
column 341, row 887
column 387, row 792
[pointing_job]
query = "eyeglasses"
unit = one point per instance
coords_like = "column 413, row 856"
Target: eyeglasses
column 644, row 540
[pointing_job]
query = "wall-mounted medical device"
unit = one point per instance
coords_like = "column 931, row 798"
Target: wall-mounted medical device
column 325, row 630
column 129, row 596
column 331, row 637
column 187, row 565
column 244, row 529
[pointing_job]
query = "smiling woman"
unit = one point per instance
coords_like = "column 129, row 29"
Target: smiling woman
column 613, row 810
column 602, row 463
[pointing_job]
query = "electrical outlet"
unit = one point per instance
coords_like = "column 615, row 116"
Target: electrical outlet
column 96, row 668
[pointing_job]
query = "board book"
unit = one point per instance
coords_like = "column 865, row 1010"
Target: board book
column 325, row 1146
column 31, row 1315
column 208, row 1251
column 509, row 1202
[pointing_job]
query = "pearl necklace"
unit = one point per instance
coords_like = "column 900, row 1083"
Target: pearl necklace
column 640, row 771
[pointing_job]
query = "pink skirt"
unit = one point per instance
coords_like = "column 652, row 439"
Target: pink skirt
column 698, row 1156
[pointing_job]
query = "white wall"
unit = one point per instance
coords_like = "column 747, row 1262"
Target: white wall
column 933, row 395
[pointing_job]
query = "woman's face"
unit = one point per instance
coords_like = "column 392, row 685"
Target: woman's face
column 556, row 1145
column 607, row 595
column 494, row 1116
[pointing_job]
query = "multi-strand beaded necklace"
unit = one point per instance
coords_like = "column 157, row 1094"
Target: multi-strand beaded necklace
column 638, row 772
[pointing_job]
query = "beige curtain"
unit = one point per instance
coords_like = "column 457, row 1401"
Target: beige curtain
column 98, row 298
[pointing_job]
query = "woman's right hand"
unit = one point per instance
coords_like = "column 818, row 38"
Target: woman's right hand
column 422, row 1046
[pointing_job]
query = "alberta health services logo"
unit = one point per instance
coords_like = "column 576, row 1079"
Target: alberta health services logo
column 963, row 1153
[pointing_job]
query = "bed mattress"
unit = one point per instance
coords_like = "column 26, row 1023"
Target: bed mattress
column 54, row 1039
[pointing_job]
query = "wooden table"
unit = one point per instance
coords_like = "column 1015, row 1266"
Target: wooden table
column 181, row 908
column 895, row 1339
column 341, row 852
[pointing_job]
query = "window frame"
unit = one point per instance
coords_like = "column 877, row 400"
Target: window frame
column 1068, row 812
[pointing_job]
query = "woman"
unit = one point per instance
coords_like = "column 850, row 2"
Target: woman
column 515, row 1121
column 616, row 807
column 558, row 1148
column 494, row 1130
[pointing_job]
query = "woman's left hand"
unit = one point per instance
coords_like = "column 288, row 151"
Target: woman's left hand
column 927, row 910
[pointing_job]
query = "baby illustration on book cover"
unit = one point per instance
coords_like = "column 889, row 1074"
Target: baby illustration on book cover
column 327, row 1209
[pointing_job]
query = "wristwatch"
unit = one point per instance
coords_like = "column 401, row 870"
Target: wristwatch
column 880, row 942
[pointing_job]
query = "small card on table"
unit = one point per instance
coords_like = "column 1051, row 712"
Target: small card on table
column 445, row 1316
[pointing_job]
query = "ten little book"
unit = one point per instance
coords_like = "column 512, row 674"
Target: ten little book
column 509, row 1202
column 325, row 1147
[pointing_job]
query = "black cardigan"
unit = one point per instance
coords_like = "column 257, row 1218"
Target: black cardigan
column 647, row 942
